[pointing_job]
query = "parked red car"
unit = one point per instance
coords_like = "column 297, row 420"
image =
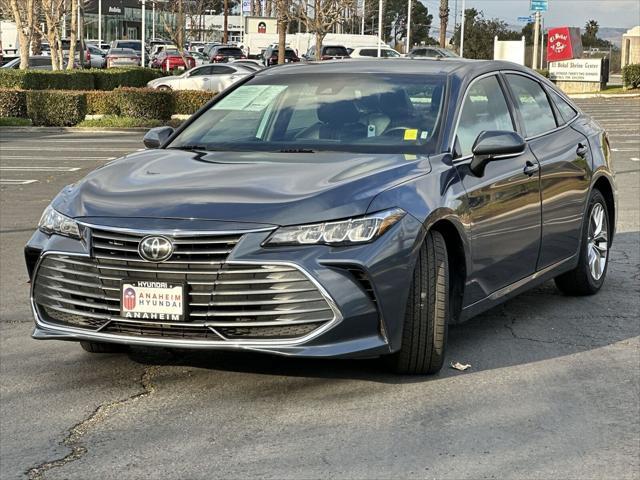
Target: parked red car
column 168, row 60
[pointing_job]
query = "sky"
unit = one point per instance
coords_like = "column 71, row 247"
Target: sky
column 608, row 13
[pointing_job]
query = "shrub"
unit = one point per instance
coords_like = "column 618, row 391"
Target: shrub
column 631, row 75
column 112, row 78
column 187, row 102
column 46, row 80
column 14, row 122
column 98, row 79
column 144, row 103
column 113, row 121
column 13, row 103
column 56, row 108
column 102, row 103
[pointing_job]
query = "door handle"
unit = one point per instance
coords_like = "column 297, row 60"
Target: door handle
column 531, row 168
column 582, row 150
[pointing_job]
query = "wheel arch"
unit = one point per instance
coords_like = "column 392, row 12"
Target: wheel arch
column 450, row 229
column 605, row 186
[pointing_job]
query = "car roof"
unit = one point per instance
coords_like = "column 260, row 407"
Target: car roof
column 445, row 66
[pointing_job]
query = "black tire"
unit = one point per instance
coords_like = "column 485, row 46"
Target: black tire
column 580, row 281
column 424, row 335
column 164, row 88
column 99, row 347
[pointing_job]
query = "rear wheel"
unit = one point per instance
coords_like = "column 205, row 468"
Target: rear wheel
column 424, row 334
column 587, row 278
column 165, row 88
column 99, row 347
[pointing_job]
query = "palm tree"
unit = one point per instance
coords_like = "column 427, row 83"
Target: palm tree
column 444, row 19
column 591, row 28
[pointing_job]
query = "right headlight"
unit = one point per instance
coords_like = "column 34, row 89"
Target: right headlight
column 54, row 222
column 344, row 232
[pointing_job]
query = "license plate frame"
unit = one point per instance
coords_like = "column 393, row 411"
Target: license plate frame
column 147, row 288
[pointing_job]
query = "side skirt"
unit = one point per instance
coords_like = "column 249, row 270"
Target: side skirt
column 516, row 288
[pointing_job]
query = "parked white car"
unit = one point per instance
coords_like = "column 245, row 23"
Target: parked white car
column 212, row 77
column 368, row 52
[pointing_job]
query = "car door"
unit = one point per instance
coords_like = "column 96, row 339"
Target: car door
column 563, row 154
column 198, row 79
column 223, row 76
column 503, row 204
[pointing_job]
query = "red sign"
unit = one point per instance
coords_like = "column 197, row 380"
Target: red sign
column 563, row 43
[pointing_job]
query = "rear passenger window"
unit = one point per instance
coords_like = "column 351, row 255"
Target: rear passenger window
column 484, row 108
column 533, row 104
column 567, row 112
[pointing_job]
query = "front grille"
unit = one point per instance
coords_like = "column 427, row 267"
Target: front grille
column 227, row 301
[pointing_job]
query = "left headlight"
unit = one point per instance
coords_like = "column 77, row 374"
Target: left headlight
column 344, row 232
column 54, row 222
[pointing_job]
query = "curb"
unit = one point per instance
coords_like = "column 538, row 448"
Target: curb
column 603, row 95
column 72, row 129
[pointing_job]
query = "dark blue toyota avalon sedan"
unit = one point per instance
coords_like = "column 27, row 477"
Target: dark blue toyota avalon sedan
column 337, row 209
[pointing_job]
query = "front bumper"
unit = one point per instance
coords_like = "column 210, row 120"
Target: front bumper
column 364, row 286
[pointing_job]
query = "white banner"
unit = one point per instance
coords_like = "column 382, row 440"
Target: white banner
column 577, row 70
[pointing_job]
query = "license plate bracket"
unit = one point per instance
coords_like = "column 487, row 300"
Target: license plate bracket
column 155, row 300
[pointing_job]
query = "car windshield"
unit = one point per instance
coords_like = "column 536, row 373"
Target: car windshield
column 336, row 51
column 352, row 113
column 229, row 51
column 122, row 51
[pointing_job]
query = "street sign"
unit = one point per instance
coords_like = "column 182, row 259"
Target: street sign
column 528, row 19
column 539, row 5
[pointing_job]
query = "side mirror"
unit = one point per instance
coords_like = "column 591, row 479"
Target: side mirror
column 494, row 145
column 156, row 137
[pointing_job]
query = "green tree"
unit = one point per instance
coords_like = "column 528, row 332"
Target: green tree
column 394, row 19
column 590, row 37
column 479, row 33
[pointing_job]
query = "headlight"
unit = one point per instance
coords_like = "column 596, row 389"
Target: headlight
column 54, row 222
column 344, row 232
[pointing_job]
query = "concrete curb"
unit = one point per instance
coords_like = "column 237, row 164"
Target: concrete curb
column 603, row 95
column 72, row 129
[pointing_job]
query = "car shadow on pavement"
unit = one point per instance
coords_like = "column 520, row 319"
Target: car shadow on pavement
column 538, row 325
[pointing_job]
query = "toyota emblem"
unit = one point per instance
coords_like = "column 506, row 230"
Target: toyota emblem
column 155, row 249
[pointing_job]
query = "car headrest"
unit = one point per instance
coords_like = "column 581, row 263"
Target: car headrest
column 396, row 104
column 338, row 113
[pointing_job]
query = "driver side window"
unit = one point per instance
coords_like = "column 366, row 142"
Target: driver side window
column 484, row 108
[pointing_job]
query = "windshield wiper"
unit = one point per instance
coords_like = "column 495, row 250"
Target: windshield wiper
column 191, row 147
column 296, row 150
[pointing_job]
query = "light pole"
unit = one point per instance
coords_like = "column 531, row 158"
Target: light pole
column 153, row 19
column 364, row 3
column 99, row 23
column 462, row 31
column 379, row 27
column 144, row 27
column 408, row 28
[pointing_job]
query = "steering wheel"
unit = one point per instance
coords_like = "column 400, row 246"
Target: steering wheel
column 394, row 130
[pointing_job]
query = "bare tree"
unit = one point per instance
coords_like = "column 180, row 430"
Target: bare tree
column 53, row 10
column 73, row 37
column 283, row 12
column 327, row 14
column 444, row 20
column 24, row 15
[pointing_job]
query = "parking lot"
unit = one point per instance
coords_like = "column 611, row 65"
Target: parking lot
column 553, row 391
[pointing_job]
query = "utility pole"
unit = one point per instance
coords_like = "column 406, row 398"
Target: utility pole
column 100, row 24
column 364, row 3
column 153, row 18
column 408, row 28
column 536, row 40
column 444, row 18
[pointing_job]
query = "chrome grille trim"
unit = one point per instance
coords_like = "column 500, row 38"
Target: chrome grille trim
column 324, row 316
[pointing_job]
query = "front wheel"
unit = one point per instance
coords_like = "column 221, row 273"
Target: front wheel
column 588, row 277
column 424, row 334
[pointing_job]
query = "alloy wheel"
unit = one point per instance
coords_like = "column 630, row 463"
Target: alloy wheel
column 598, row 246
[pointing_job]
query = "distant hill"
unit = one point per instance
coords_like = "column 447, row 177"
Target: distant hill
column 614, row 35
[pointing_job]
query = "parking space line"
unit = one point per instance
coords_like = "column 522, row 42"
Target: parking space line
column 41, row 169
column 53, row 159
column 73, row 149
column 8, row 181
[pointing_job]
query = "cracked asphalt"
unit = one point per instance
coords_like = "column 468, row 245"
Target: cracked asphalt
column 553, row 391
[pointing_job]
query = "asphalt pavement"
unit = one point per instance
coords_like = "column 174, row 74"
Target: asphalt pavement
column 553, row 391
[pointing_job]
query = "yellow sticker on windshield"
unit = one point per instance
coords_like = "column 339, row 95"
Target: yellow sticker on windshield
column 411, row 134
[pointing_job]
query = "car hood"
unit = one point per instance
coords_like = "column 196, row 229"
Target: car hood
column 250, row 187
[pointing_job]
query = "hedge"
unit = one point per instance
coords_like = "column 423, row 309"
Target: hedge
column 13, row 103
column 127, row 102
column 97, row 79
column 631, row 75
column 144, row 103
column 188, row 102
column 56, row 108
